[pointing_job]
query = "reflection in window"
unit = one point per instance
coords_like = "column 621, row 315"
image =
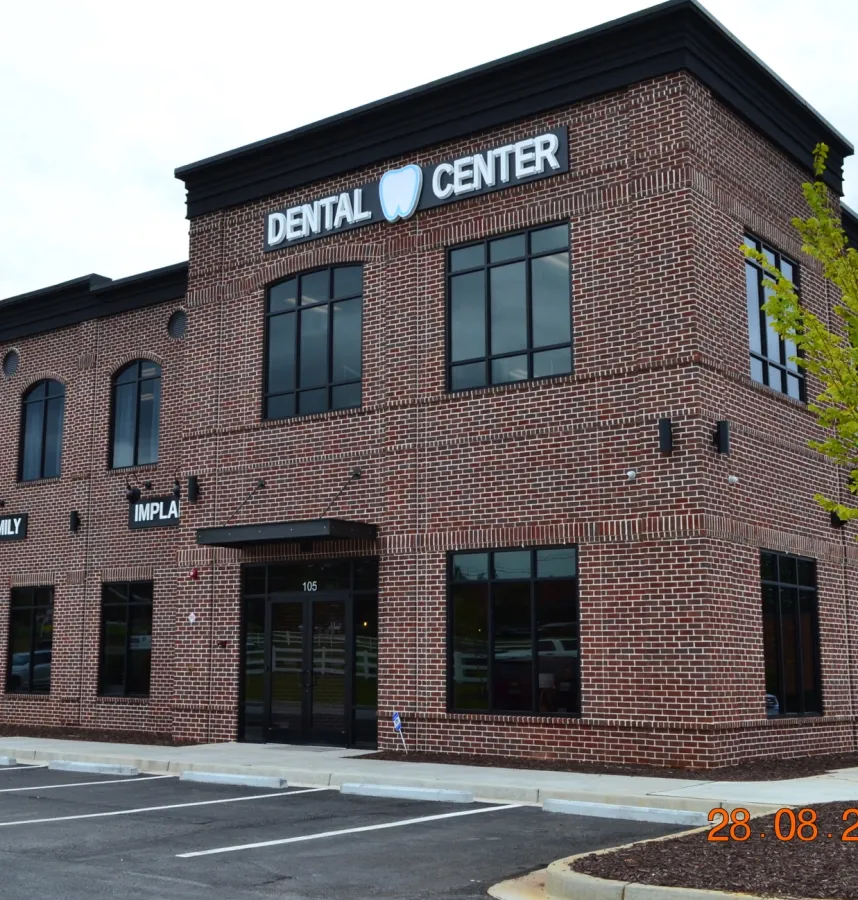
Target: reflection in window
column 42, row 431
column 314, row 324
column 514, row 631
column 126, row 639
column 790, row 635
column 771, row 355
column 31, row 631
column 509, row 310
column 136, row 414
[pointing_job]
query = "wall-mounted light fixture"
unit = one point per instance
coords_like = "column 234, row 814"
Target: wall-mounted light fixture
column 836, row 521
column 193, row 488
column 132, row 492
column 74, row 521
column 177, row 489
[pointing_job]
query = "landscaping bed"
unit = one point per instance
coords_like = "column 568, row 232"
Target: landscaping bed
column 92, row 734
column 820, row 867
column 757, row 770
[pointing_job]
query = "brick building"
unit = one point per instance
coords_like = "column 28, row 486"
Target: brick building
column 443, row 416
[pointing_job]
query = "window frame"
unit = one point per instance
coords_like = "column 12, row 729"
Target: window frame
column 114, row 384
column 817, row 642
column 782, row 366
column 129, row 606
column 534, row 633
column 22, row 443
column 330, row 384
column 33, row 608
column 486, row 267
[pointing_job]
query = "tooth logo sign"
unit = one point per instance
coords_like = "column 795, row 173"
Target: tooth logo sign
column 399, row 191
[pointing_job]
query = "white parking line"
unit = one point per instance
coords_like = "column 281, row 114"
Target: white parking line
column 145, row 809
column 17, row 768
column 50, row 787
column 327, row 834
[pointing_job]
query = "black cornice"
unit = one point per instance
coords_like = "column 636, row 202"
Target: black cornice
column 674, row 36
column 90, row 297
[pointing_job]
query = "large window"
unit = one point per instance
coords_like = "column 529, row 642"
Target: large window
column 509, row 309
column 126, row 638
column 31, row 629
column 513, row 632
column 136, row 414
column 42, row 431
column 313, row 343
column 790, row 635
column 770, row 353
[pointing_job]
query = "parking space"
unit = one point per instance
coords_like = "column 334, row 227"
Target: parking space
column 83, row 836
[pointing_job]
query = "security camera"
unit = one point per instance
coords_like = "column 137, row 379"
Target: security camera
column 631, row 474
column 732, row 479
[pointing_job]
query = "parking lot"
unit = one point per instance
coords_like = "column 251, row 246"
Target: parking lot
column 74, row 836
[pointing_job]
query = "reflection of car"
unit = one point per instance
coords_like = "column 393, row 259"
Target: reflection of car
column 772, row 705
column 20, row 671
column 545, row 647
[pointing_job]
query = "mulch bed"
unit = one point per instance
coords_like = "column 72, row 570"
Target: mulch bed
column 91, row 734
column 759, row 770
column 823, row 867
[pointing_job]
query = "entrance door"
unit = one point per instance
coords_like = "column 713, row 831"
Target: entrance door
column 307, row 688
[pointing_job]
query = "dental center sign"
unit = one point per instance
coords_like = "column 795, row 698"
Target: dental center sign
column 399, row 193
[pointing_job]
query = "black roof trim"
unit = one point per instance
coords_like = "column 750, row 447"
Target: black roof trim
column 283, row 532
column 673, row 36
column 90, row 297
column 849, row 220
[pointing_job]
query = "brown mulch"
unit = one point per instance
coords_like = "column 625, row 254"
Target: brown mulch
column 824, row 867
column 758, row 770
column 92, row 734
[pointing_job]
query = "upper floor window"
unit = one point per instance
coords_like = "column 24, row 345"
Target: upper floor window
column 790, row 635
column 313, row 343
column 770, row 353
column 509, row 309
column 136, row 411
column 42, row 431
column 513, row 631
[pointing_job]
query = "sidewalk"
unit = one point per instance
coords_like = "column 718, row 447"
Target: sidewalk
column 331, row 767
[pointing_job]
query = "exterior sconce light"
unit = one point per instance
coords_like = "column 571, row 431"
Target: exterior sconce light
column 721, row 437
column 132, row 492
column 177, row 489
column 193, row 488
column 836, row 521
column 665, row 436
column 74, row 521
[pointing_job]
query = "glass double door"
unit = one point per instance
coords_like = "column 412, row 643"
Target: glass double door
column 306, row 684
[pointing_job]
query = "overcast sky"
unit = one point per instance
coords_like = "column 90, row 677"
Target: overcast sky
column 102, row 100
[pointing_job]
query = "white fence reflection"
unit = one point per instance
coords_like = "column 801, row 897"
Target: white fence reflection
column 329, row 654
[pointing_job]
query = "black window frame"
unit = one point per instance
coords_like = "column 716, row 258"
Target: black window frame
column 33, row 609
column 486, row 267
column 138, row 381
column 129, row 607
column 779, row 584
column 27, row 400
column 491, row 710
column 330, row 384
column 782, row 366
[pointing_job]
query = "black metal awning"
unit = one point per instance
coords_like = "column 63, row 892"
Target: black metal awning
column 281, row 532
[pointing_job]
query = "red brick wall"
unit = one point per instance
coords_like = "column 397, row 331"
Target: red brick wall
column 663, row 181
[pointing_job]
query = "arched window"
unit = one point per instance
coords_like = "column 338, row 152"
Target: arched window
column 42, row 430
column 136, row 409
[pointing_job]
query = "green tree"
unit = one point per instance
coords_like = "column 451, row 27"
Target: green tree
column 828, row 352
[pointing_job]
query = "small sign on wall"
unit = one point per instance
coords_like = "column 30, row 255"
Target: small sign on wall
column 14, row 527
column 154, row 512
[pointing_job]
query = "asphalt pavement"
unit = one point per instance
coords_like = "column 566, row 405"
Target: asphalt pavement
column 86, row 837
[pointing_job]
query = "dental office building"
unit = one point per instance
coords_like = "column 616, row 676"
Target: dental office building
column 464, row 407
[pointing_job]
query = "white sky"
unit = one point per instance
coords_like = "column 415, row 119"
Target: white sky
column 101, row 99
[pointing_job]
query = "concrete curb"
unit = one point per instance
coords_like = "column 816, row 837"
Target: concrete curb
column 407, row 793
column 627, row 813
column 258, row 781
column 8, row 761
column 92, row 768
